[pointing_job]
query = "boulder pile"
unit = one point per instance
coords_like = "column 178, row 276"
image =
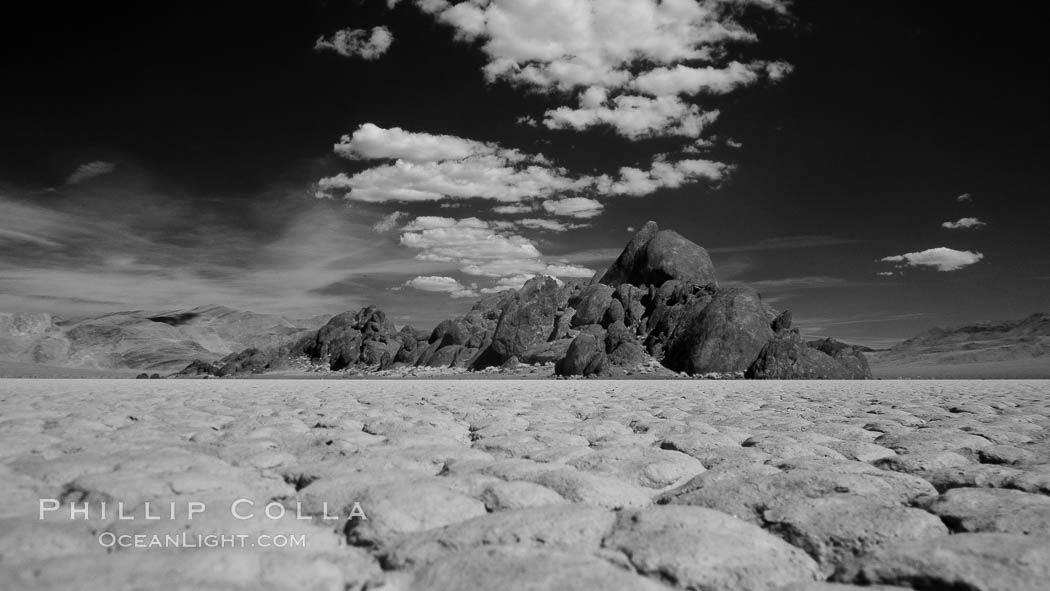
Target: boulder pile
column 659, row 301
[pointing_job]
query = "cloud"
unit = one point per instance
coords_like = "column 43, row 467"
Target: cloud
column 485, row 177
column 552, row 225
column 511, row 282
column 481, row 248
column 514, row 209
column 16, row 237
column 941, row 258
column 688, row 80
column 371, row 142
column 122, row 247
column 614, row 49
column 430, row 167
column 964, row 197
column 90, row 171
column 597, row 256
column 809, row 282
column 635, row 117
column 576, row 207
column 661, row 174
column 784, row 243
column 442, row 285
column 885, row 273
column 368, row 45
column 963, row 223
column 388, row 222
column 468, row 241
column 563, row 270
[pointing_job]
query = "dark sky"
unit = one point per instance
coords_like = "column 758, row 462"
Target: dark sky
column 210, row 123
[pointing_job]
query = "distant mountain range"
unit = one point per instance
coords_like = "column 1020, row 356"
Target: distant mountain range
column 154, row 341
column 1017, row 348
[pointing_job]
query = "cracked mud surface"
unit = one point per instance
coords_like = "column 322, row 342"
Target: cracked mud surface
column 529, row 485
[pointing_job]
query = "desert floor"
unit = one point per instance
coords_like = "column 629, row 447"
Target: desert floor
column 508, row 485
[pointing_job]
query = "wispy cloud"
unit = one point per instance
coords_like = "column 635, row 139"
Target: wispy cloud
column 811, row 322
column 389, row 221
column 785, row 243
column 964, row 197
column 80, row 250
column 89, row 171
column 808, row 282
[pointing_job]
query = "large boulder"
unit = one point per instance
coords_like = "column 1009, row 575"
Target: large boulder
column 412, row 346
column 852, row 358
column 787, row 357
column 668, row 305
column 631, row 298
column 654, row 256
column 451, row 332
column 360, row 338
column 621, row 348
column 622, row 270
column 451, row 356
column 591, row 304
column 725, row 336
column 527, row 319
column 549, row 352
column 585, row 355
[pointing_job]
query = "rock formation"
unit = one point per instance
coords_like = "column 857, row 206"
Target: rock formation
column 659, row 301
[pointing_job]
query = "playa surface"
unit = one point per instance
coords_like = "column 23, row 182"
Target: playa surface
column 507, row 484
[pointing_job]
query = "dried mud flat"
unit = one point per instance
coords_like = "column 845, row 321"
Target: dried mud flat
column 510, row 485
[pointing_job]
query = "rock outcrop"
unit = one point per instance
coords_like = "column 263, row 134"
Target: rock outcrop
column 788, row 357
column 660, row 301
column 654, row 256
column 725, row 336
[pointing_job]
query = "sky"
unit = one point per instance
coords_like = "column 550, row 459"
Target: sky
column 876, row 167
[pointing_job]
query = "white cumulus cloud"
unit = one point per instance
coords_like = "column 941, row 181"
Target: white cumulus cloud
column 515, row 208
column 635, row 117
column 689, row 80
column 481, row 248
column 430, row 167
column 439, row 284
column 575, row 207
column 637, row 182
column 963, row 223
column 613, row 49
column 941, row 258
column 371, row 142
column 366, row 44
